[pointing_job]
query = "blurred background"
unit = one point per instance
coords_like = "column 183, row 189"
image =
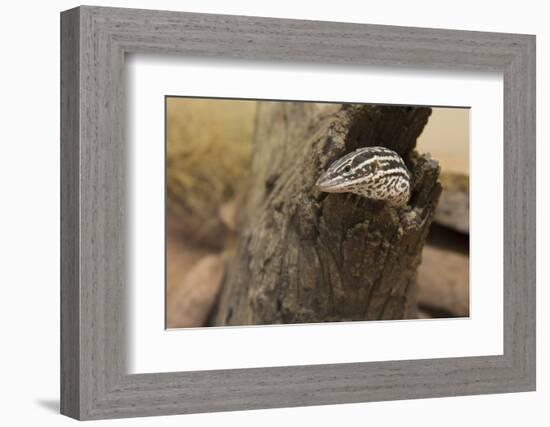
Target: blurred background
column 208, row 153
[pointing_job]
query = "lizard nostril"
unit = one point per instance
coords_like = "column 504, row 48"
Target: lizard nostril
column 319, row 181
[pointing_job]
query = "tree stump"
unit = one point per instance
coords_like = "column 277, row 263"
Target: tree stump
column 304, row 256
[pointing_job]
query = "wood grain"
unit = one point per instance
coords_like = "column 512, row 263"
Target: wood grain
column 94, row 240
column 70, row 220
column 308, row 257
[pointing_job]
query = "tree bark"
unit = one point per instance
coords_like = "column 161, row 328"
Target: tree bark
column 305, row 256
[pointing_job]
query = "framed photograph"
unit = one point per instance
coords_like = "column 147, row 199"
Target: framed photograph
column 261, row 213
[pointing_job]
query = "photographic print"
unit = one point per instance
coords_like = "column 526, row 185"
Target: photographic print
column 319, row 244
column 303, row 212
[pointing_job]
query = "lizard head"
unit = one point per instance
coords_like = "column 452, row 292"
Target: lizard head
column 372, row 172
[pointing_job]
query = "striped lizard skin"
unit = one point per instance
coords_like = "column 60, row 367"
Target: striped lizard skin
column 372, row 172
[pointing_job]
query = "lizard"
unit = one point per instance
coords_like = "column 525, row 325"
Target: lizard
column 373, row 172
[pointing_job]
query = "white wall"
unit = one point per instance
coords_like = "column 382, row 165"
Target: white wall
column 29, row 226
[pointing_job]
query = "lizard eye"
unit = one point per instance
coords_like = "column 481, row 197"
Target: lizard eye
column 347, row 168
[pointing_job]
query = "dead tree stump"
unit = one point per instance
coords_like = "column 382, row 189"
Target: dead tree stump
column 305, row 256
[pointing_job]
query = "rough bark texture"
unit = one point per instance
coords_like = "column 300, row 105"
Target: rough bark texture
column 305, row 256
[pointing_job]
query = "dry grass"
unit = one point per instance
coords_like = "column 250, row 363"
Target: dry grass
column 209, row 144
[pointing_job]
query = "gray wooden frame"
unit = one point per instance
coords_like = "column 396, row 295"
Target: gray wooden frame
column 94, row 41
